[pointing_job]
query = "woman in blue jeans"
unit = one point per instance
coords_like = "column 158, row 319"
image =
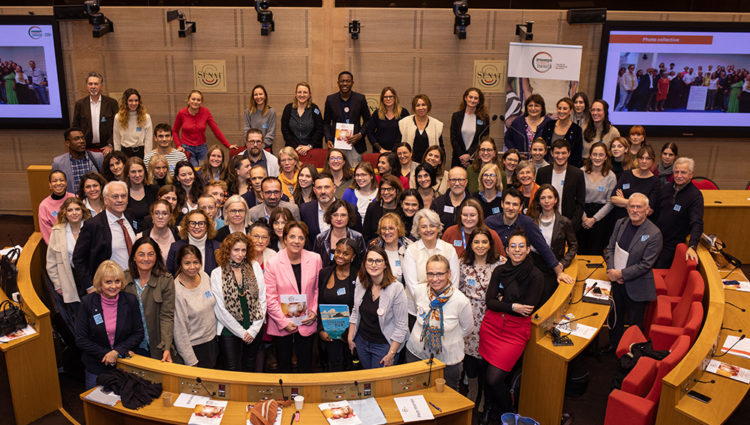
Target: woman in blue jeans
column 378, row 326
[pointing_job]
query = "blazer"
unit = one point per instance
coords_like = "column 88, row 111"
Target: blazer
column 259, row 210
column 323, row 246
column 289, row 137
column 643, row 251
column 515, row 134
column 457, row 141
column 208, row 265
column 82, row 119
column 62, row 163
column 562, row 232
column 359, row 114
column 308, row 212
column 280, row 280
column 91, row 337
column 408, row 129
column 574, row 192
column 59, row 269
column 158, row 307
column 574, row 136
column 394, row 322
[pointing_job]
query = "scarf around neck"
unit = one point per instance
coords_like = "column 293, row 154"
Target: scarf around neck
column 234, row 290
column 433, row 328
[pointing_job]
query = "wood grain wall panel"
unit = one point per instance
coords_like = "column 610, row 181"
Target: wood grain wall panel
column 413, row 50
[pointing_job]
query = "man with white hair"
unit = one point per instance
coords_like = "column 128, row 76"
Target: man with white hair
column 679, row 213
column 633, row 248
column 107, row 236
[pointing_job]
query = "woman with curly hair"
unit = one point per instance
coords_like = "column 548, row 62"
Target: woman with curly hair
column 196, row 229
column 113, row 166
column 133, row 133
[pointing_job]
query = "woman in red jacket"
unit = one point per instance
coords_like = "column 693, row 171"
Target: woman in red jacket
column 192, row 121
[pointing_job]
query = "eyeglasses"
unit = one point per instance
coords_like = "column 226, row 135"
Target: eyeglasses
column 490, row 175
column 336, row 158
column 454, row 181
column 374, row 261
column 271, row 192
column 236, row 212
column 197, row 223
column 387, row 189
column 436, row 275
column 254, row 142
column 486, row 150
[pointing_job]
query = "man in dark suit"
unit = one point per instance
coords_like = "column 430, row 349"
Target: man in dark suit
column 107, row 236
column 568, row 180
column 447, row 205
column 632, row 251
column 95, row 114
column 77, row 161
column 272, row 198
column 312, row 212
column 347, row 107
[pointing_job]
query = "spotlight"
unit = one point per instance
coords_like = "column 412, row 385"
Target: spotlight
column 463, row 19
column 524, row 30
column 354, row 29
column 265, row 17
column 101, row 23
column 186, row 27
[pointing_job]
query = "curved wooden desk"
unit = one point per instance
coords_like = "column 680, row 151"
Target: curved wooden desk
column 243, row 388
column 545, row 365
column 30, row 361
column 675, row 407
column 724, row 214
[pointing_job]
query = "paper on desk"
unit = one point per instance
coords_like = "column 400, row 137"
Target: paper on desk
column 581, row 331
column 101, row 397
column 28, row 330
column 209, row 413
column 413, row 408
column 190, row 400
column 369, row 411
column 738, row 285
column 729, row 370
column 742, row 349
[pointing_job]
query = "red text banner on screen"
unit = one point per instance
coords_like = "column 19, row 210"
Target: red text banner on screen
column 660, row 39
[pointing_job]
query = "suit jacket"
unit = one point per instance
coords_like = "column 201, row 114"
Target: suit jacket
column 574, row 136
column 359, row 114
column 515, row 134
column 574, row 192
column 258, row 211
column 58, row 265
column 308, row 212
column 643, row 251
column 208, row 265
column 94, row 245
column 562, row 235
column 280, row 280
column 62, row 163
column 457, row 141
column 91, row 337
column 82, row 119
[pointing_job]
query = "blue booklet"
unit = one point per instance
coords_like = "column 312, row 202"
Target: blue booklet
column 335, row 319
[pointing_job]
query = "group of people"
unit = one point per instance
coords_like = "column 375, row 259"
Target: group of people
column 229, row 262
column 727, row 88
column 22, row 87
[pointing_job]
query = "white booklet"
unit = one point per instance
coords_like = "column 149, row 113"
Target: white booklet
column 739, row 285
column 413, row 408
column 729, row 370
column 210, row 413
column 741, row 348
column 102, row 397
column 294, row 307
column 339, row 413
column 190, row 400
column 343, row 131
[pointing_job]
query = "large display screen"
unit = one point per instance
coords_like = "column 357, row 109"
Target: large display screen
column 32, row 85
column 677, row 78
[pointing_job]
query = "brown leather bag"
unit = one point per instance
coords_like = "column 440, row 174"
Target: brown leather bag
column 263, row 412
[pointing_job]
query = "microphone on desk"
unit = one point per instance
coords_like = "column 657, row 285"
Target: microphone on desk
column 200, row 381
column 429, row 374
column 585, row 293
column 730, row 329
column 596, row 313
column 735, row 306
column 281, row 384
column 713, row 381
column 730, row 348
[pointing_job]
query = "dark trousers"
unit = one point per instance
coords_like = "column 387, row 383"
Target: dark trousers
column 302, row 346
column 237, row 355
column 627, row 312
column 593, row 241
column 131, row 152
column 337, row 354
column 207, row 353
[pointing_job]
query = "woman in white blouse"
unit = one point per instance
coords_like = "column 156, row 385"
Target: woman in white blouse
column 62, row 242
column 133, row 132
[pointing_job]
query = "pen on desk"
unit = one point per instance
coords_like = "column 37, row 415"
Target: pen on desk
column 436, row 408
column 293, row 416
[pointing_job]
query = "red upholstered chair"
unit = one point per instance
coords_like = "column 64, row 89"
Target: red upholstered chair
column 372, row 158
column 629, row 408
column 236, row 151
column 662, row 336
column 675, row 309
column 315, row 156
column 704, row 183
column 187, row 154
column 671, row 281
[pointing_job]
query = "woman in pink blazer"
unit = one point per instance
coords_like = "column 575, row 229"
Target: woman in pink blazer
column 292, row 298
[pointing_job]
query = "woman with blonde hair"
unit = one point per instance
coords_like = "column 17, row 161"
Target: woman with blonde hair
column 382, row 128
column 490, row 190
column 289, row 167
column 62, row 242
column 158, row 170
column 364, row 188
column 236, row 216
column 260, row 115
column 133, row 133
column 619, row 148
column 485, row 154
column 302, row 121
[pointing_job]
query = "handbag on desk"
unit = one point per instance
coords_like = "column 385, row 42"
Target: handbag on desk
column 716, row 248
column 9, row 272
column 11, row 318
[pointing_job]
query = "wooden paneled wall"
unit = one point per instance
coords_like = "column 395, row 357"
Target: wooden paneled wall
column 413, row 50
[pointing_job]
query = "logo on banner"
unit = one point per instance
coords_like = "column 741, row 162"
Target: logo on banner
column 373, row 102
column 35, row 32
column 541, row 62
column 489, row 75
column 210, row 75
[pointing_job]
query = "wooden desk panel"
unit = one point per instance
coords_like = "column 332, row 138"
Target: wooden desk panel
column 727, row 215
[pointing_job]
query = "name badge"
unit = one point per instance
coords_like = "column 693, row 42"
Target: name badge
column 471, row 282
column 331, row 256
column 98, row 319
column 480, row 122
column 265, row 125
column 600, row 188
column 562, row 182
column 398, row 263
column 458, row 243
column 138, row 129
column 500, row 285
column 346, row 109
column 644, row 238
column 677, row 207
column 448, row 209
column 496, row 210
column 317, row 111
column 207, row 294
column 420, row 311
column 380, row 312
column 341, row 292
column 625, row 186
column 54, row 213
column 104, row 119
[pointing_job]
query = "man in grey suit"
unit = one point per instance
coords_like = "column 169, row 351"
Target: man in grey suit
column 77, row 161
column 271, row 190
column 633, row 249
